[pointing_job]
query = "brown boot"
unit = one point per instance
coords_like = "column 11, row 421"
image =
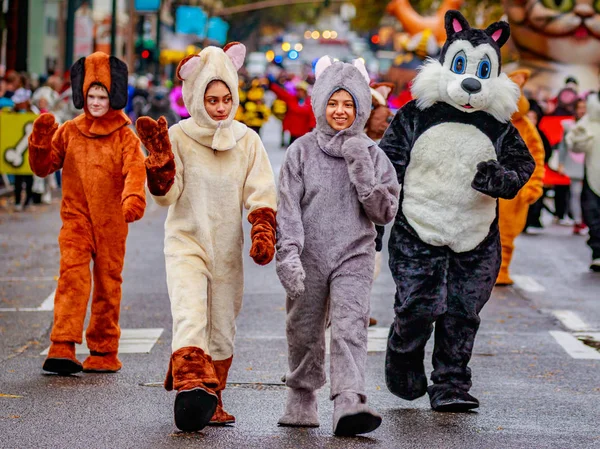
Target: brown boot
column 221, row 417
column 61, row 359
column 102, row 362
column 192, row 374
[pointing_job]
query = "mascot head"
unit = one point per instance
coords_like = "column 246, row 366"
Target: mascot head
column 468, row 74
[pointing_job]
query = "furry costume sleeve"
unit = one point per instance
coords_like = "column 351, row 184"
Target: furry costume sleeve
column 290, row 230
column 397, row 140
column 374, row 179
column 534, row 188
column 579, row 140
column 260, row 199
column 134, row 173
column 46, row 146
column 503, row 178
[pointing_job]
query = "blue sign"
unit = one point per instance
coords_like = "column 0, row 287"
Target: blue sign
column 190, row 20
column 217, row 30
column 147, row 5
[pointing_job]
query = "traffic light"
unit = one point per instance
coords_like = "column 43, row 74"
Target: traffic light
column 145, row 54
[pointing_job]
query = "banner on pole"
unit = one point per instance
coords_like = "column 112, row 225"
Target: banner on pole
column 147, row 5
column 15, row 129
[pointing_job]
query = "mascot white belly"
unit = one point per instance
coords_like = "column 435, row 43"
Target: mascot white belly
column 439, row 202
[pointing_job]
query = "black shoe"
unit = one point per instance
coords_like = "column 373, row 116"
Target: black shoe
column 595, row 265
column 194, row 409
column 62, row 366
column 405, row 377
column 452, row 400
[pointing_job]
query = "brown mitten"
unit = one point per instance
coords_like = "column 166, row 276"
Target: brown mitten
column 44, row 128
column 263, row 235
column 160, row 163
column 133, row 208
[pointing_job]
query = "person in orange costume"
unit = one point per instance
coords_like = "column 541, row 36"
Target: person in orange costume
column 513, row 213
column 103, row 189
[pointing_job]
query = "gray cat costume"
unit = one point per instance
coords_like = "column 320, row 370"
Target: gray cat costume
column 333, row 187
column 455, row 152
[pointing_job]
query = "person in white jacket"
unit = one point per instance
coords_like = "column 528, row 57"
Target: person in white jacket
column 585, row 138
column 207, row 168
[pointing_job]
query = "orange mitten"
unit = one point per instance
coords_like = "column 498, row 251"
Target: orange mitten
column 263, row 235
column 44, row 128
column 160, row 163
column 133, row 208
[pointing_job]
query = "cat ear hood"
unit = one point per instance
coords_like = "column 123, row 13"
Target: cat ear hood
column 196, row 72
column 101, row 68
column 331, row 76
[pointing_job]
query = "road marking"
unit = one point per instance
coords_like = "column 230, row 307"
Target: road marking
column 571, row 320
column 574, row 347
column 29, row 279
column 376, row 339
column 133, row 341
column 528, row 284
column 47, row 306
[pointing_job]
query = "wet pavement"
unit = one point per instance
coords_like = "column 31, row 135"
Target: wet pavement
column 537, row 386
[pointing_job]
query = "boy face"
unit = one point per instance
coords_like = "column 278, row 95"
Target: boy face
column 340, row 112
column 97, row 101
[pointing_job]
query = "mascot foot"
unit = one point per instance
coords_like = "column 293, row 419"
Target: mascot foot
column 504, row 280
column 61, row 359
column 300, row 409
column 595, row 265
column 351, row 416
column 102, row 362
column 221, row 417
column 405, row 377
column 451, row 399
column 194, row 408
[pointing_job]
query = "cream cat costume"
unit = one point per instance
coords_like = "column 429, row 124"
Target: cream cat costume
column 207, row 171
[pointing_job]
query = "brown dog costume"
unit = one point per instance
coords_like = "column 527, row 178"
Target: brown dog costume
column 103, row 190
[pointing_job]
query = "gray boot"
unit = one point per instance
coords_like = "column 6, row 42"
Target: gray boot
column 300, row 409
column 351, row 416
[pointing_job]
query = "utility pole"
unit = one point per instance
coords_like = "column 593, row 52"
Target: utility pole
column 157, row 52
column 70, row 33
column 113, row 29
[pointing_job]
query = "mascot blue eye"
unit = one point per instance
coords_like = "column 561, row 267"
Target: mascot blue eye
column 459, row 64
column 483, row 69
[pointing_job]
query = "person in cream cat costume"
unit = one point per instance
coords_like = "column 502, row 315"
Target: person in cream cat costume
column 206, row 169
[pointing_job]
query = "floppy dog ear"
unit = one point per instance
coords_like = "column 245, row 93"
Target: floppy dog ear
column 118, row 83
column 77, row 76
column 186, row 66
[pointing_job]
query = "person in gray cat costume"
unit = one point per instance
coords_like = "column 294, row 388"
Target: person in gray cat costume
column 335, row 183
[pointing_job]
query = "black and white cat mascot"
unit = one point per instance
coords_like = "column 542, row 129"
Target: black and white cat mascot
column 455, row 152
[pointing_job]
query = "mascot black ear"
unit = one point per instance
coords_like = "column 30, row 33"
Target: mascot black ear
column 77, row 75
column 455, row 22
column 499, row 32
column 118, row 83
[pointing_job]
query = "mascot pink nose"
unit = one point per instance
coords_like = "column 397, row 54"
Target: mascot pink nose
column 471, row 85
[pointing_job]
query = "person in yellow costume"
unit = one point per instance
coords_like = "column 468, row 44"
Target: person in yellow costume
column 256, row 112
column 513, row 213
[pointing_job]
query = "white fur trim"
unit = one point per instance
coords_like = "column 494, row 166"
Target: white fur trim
column 504, row 102
column 439, row 202
column 187, row 68
column 360, row 65
column 237, row 53
column 426, row 85
column 321, row 65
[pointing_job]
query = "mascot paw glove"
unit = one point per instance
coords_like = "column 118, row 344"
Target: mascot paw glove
column 492, row 179
column 263, row 235
column 133, row 208
column 291, row 274
column 155, row 137
column 43, row 129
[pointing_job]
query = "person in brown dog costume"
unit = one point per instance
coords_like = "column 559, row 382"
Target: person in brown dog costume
column 207, row 169
column 103, row 191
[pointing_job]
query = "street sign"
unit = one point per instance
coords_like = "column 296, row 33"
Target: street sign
column 190, row 20
column 147, row 5
column 15, row 128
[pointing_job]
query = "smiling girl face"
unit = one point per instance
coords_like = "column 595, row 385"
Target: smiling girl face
column 340, row 112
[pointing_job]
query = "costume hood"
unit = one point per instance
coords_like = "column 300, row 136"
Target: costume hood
column 112, row 73
column 196, row 72
column 329, row 78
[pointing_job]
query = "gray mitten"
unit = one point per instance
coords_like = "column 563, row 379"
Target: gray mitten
column 360, row 164
column 291, row 274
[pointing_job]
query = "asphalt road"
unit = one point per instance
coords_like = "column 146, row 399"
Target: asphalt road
column 539, row 386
